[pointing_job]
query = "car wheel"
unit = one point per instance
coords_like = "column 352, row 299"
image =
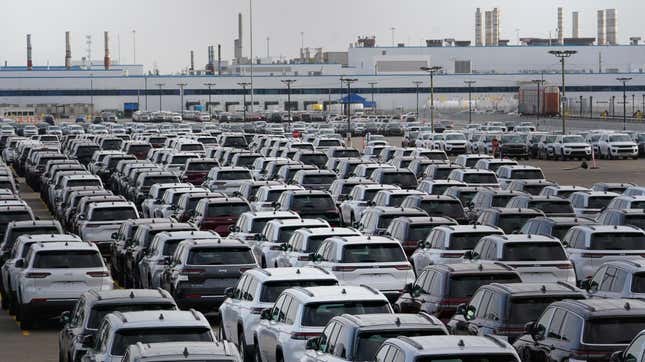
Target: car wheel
column 4, row 299
column 26, row 319
column 13, row 308
column 264, row 263
column 245, row 351
column 258, row 356
column 221, row 334
column 278, row 356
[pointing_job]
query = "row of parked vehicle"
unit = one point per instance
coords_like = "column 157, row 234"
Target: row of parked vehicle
column 313, row 250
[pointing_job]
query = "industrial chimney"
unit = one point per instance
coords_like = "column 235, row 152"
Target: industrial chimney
column 488, row 20
column 106, row 59
column 610, row 26
column 192, row 62
column 495, row 29
column 238, row 41
column 219, row 59
column 478, row 27
column 601, row 27
column 560, row 26
column 68, row 52
column 29, row 63
column 574, row 25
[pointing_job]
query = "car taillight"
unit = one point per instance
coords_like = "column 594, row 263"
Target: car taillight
column 99, row 274
column 242, row 270
column 275, row 247
column 506, row 331
column 565, row 266
column 34, row 275
column 190, row 272
column 451, row 255
column 303, row 335
column 304, row 258
column 592, row 255
column 403, row 267
column 256, row 310
column 343, row 268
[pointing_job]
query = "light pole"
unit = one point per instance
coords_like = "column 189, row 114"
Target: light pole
column 373, row 84
column 470, row 83
column 624, row 81
column 181, row 97
column 145, row 90
column 392, row 29
column 431, row 71
column 251, row 53
column 92, row 93
column 417, row 83
column 538, row 82
column 563, row 54
column 160, row 85
column 244, row 85
column 288, row 82
column 349, row 82
column 633, row 103
column 210, row 86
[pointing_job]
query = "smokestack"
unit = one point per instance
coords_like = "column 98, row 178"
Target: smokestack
column 219, row 59
column 560, row 26
column 68, row 52
column 495, row 29
column 106, row 59
column 488, row 19
column 238, row 41
column 611, row 27
column 192, row 62
column 574, row 25
column 29, row 63
column 478, row 27
column 601, row 27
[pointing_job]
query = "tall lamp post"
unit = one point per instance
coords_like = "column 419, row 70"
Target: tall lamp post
column 373, row 84
column 288, row 82
column 91, row 94
column 181, row 97
column 417, row 83
column 431, row 71
column 349, row 82
column 160, row 85
column 244, row 85
column 210, row 86
column 624, row 81
column 470, row 83
column 563, row 54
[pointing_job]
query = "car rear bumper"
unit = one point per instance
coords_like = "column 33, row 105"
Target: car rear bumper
column 48, row 307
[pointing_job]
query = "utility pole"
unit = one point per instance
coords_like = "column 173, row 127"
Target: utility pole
column 624, row 81
column 288, row 82
column 251, row 52
column 244, row 85
column 208, row 106
column 160, row 85
column 134, row 47
column 470, row 83
column 181, row 97
column 633, row 103
column 373, row 84
column 538, row 82
column 563, row 54
column 417, row 83
column 431, row 71
column 92, row 93
column 349, row 82
column 392, row 29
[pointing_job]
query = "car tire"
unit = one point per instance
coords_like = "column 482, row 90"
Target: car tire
column 26, row 319
column 257, row 355
column 4, row 299
column 13, row 308
column 278, row 356
column 245, row 351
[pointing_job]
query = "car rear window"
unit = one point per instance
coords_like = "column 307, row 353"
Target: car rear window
column 372, row 253
column 527, row 174
column 527, row 309
column 201, row 166
column 318, row 314
column 313, row 202
column 192, row 147
column 83, row 182
column 443, row 208
column 370, row 342
column 419, row 232
column 109, row 144
column 318, row 179
column 258, row 223
column 542, row 251
column 329, row 143
column 9, row 216
column 613, row 330
column 513, row 222
column 552, row 206
column 149, row 181
column 220, row 256
column 315, row 159
column 403, row 179
column 180, row 160
column 126, row 337
column 464, row 286
column 480, row 178
column 465, row 241
column 272, row 290
column 228, row 209
column 113, row 213
column 142, row 148
column 99, row 311
column 617, row 241
column 62, row 259
column 533, row 189
column 233, row 175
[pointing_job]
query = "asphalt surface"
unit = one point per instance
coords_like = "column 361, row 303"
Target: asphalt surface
column 41, row 344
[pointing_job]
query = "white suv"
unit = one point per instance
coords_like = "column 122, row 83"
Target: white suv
column 251, row 223
column 278, row 232
column 376, row 261
column 302, row 313
column 266, row 196
column 257, row 290
column 617, row 145
column 304, row 242
column 54, row 277
column 358, row 200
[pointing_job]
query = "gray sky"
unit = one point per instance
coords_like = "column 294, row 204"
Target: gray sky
column 168, row 29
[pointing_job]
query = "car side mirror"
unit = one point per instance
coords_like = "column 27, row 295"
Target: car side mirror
column 531, row 329
column 586, row 284
column 617, row 356
column 313, row 343
column 65, row 317
column 88, row 340
column 416, row 291
column 252, row 199
column 266, row 314
column 357, row 225
column 285, row 247
column 81, row 217
column 114, row 236
column 229, row 292
column 471, row 255
column 461, row 309
column 233, row 228
column 257, row 237
column 20, row 263
column 470, row 312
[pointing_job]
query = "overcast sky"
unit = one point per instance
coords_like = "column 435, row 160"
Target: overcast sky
column 166, row 30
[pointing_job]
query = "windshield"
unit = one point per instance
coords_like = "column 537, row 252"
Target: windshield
column 501, row 200
column 346, row 153
column 83, row 182
column 169, row 247
column 369, row 342
column 100, row 311
column 573, row 139
column 617, row 241
column 559, row 231
column 527, row 175
column 63, row 259
column 614, row 330
column 533, row 252
column 318, row 314
column 201, row 166
column 513, row 139
column 9, row 216
column 455, row 137
column 620, row 138
column 245, row 161
column 313, row 203
column 113, row 213
column 317, row 160
column 464, row 286
column 527, row 309
column 272, row 290
column 151, row 180
column 11, row 237
column 480, row 178
column 466, row 241
column 126, row 337
column 488, row 357
column 220, row 256
column 233, row 175
column 552, row 206
column 318, row 179
column 221, row 209
column 599, row 202
column 403, row 179
column 192, row 147
column 635, row 220
column 372, row 253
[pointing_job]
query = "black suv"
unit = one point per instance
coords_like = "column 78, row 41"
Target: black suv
column 440, row 289
column 589, row 330
column 503, row 309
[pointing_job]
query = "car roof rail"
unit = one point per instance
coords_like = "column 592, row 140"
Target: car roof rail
column 411, row 342
column 496, row 341
column 121, row 316
column 305, row 291
column 320, row 268
column 370, row 289
column 566, row 285
column 503, row 265
column 194, row 313
column 161, row 292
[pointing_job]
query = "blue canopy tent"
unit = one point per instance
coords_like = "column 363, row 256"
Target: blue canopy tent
column 356, row 99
